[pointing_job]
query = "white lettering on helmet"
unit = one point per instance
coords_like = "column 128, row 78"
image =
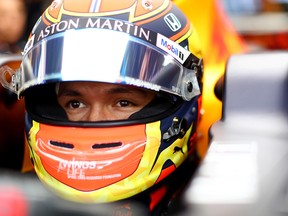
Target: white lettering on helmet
column 100, row 23
column 76, row 169
column 58, row 27
column 74, row 164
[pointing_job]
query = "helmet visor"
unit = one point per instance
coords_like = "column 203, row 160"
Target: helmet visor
column 106, row 56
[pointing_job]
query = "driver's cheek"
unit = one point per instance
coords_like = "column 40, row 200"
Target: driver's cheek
column 77, row 115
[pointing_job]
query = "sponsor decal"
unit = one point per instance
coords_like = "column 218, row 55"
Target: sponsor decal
column 89, row 22
column 172, row 48
column 172, row 21
column 141, row 83
column 99, row 23
column 76, row 169
column 57, row 28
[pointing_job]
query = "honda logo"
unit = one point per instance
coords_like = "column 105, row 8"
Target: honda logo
column 172, row 21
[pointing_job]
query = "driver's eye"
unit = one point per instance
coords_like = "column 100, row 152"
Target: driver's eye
column 125, row 103
column 74, row 104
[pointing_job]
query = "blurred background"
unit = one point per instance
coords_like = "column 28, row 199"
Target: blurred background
column 263, row 24
column 225, row 27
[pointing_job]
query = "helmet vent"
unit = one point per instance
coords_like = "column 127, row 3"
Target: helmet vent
column 106, row 145
column 61, row 144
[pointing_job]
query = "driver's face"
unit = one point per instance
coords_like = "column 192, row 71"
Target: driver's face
column 91, row 101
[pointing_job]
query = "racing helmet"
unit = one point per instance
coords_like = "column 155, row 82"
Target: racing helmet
column 143, row 44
